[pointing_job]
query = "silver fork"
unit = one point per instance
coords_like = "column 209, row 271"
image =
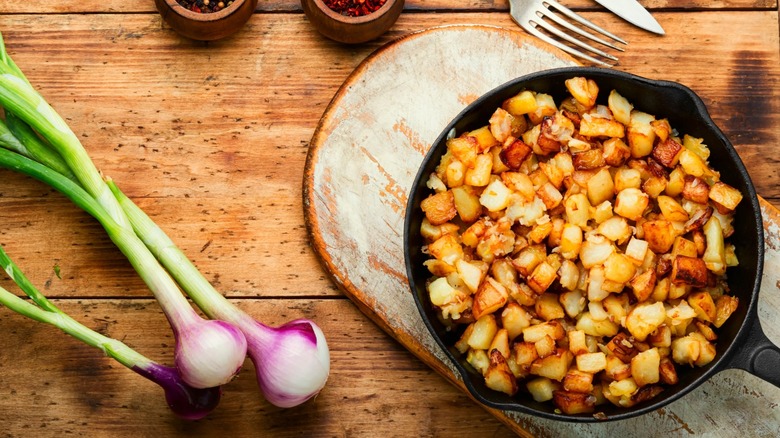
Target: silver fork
column 531, row 14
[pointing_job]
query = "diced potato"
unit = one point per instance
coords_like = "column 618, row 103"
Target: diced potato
column 573, row 302
column 447, row 249
column 498, row 165
column 496, row 196
column 620, row 107
column 659, row 234
column 434, row 181
column 631, row 203
column 667, row 372
column 715, row 254
column 548, row 308
column 514, row 154
column 577, row 209
column 676, row 182
column 686, row 350
column 692, row 164
column 619, row 268
column 519, row 183
column 667, row 152
column 645, row 367
column 545, row 107
column 592, row 327
column 707, row 351
column 489, row 297
column 529, row 258
column 592, row 126
column 500, row 343
column 553, row 329
column 479, row 175
column 578, row 381
column 554, row 366
column 502, row 125
column 522, row 103
column 636, row 250
column 725, row 196
column 441, row 293
column 455, row 173
column 577, row 342
column 616, row 306
column 464, row 149
column 602, row 212
column 482, row 334
column 626, row 178
column 641, row 135
column 485, row 139
column 467, row 203
column 433, row 232
column 615, row 152
column 545, row 346
column 690, row 271
column 617, row 369
column 624, row 387
column 615, row 229
column 549, row 195
column 479, row 360
column 644, row 318
column 695, row 189
column 525, row 354
column 661, row 337
column 515, row 319
column 662, row 129
column 595, row 251
column 439, row 208
column 588, row 160
column 643, row 285
column 591, row 362
column 470, row 274
column 498, row 376
column 542, row 388
column 542, row 277
column 600, row 187
column 671, row 209
column 583, row 90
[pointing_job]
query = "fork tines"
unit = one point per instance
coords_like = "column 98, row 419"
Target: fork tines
column 533, row 15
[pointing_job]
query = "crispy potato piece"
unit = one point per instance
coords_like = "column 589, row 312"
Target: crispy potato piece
column 484, row 329
column 644, row 318
column 600, row 187
column 585, row 91
column 542, row 277
column 594, row 126
column 578, row 381
column 498, row 376
column 620, row 107
column 690, row 271
column 479, row 175
column 591, row 159
column 725, row 306
column 467, row 203
column 523, row 102
column 490, row 297
column 591, row 362
column 549, row 195
column 577, row 209
column 439, row 208
column 514, row 154
column 661, row 337
column 542, row 388
column 545, row 107
column 645, row 367
column 725, row 196
column 695, row 189
column 626, row 178
column 631, row 203
column 666, row 372
column 686, row 350
column 447, row 249
column 515, row 319
column 553, row 329
column 702, row 303
column 479, row 360
column 433, row 232
column 641, row 135
column 547, row 142
column 554, row 366
column 464, row 149
column 504, row 125
column 622, row 347
column 643, row 285
column 615, row 152
column 495, row 197
column 659, row 234
column 667, row 152
column 485, row 139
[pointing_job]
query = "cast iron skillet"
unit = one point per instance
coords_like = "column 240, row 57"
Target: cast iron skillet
column 741, row 342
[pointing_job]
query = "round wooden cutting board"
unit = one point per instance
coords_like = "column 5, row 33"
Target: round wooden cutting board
column 363, row 158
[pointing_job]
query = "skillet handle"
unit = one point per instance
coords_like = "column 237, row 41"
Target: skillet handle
column 758, row 355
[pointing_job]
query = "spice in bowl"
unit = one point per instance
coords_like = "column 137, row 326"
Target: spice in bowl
column 205, row 6
column 354, row 8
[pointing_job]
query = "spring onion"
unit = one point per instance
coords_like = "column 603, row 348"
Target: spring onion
column 208, row 353
column 184, row 400
column 292, row 361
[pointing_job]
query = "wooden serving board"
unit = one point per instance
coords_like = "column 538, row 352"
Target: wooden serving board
column 363, row 158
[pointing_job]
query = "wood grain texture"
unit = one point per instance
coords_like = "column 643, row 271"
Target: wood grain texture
column 211, row 139
column 363, row 159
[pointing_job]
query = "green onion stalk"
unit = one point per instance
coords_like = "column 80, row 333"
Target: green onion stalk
column 292, row 361
column 184, row 400
column 208, row 353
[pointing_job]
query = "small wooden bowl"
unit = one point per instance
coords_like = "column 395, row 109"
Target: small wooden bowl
column 352, row 30
column 206, row 26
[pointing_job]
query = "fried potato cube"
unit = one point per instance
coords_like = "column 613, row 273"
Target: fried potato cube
column 433, row 232
column 529, row 258
column 622, row 347
column 470, row 274
column 525, row 354
column 570, row 244
column 667, row 373
column 548, row 308
column 661, row 337
column 498, row 165
column 464, row 149
column 601, row 187
column 498, row 376
column 479, row 175
column 573, row 403
column 523, row 102
column 545, row 107
column 631, row 203
column 549, row 195
column 540, row 232
column 500, row 343
column 479, row 360
column 627, row 178
column 467, row 203
column 584, row 91
column 573, row 302
column 697, row 146
column 707, row 351
column 455, row 173
column 441, row 292
column 591, row 159
column 616, row 369
column 595, row 251
column 706, row 331
column 577, row 342
column 723, row 195
column 549, row 141
column 615, row 152
column 636, row 250
column 489, row 297
column 485, row 139
column 715, row 254
column 667, row 152
column 654, row 186
column 514, row 319
column 725, row 305
column 692, row 164
column 447, row 249
column 686, row 350
column 676, row 182
column 542, row 277
column 684, row 247
column 644, row 318
column 643, row 285
column 641, row 135
column 578, row 381
column 542, row 388
column 519, row 183
column 615, row 229
column 645, row 367
column 496, row 196
column 695, row 189
column 623, row 387
column 671, row 209
column 554, row 366
column 662, row 129
column 691, row 271
column 514, row 154
column 616, row 306
column 620, row 107
column 577, row 209
column 438, row 268
column 553, row 329
column 602, row 212
column 702, row 303
column 592, row 327
column 592, row 362
column 619, row 268
column 545, row 346
column 594, row 126
column 439, row 208
column 485, row 328
column 659, row 234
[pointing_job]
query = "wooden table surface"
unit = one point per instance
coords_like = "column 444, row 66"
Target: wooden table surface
column 211, row 140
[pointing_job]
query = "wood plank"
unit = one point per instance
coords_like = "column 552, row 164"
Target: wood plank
column 52, row 384
column 120, row 6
